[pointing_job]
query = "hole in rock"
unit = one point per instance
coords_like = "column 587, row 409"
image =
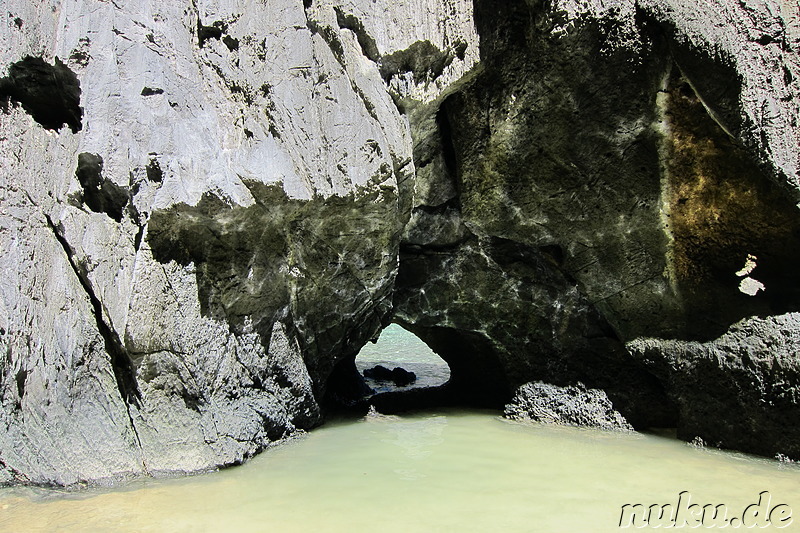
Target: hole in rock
column 49, row 93
column 398, row 372
column 400, row 361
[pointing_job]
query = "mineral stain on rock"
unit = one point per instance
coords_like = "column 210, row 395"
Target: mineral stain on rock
column 49, row 93
column 721, row 209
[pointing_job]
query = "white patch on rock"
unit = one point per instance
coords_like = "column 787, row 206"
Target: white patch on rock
column 751, row 286
column 749, row 265
column 748, row 285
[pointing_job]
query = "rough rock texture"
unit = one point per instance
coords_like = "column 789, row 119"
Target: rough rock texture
column 737, row 391
column 614, row 170
column 207, row 207
column 217, row 227
column 571, row 406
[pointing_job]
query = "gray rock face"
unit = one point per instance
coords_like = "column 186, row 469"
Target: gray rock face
column 614, row 173
column 570, row 406
column 737, row 391
column 207, row 208
column 199, row 220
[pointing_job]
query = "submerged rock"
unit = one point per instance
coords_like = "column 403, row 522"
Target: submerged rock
column 573, row 405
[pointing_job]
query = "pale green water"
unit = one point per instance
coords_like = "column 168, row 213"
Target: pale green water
column 436, row 471
column 448, row 471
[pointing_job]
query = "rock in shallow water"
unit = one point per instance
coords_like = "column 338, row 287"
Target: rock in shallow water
column 399, row 376
column 738, row 391
column 573, row 405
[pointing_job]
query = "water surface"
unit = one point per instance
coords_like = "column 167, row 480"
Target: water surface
column 439, row 471
column 447, row 470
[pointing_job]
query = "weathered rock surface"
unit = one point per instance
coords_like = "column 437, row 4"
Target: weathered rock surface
column 737, row 391
column 217, row 227
column 570, row 406
column 207, row 208
column 610, row 172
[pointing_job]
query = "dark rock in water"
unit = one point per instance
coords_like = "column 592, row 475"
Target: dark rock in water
column 378, row 372
column 572, row 405
column 732, row 398
column 399, row 376
column 402, row 377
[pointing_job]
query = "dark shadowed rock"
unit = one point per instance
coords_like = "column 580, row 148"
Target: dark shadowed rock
column 737, row 391
column 573, row 405
column 49, row 93
column 101, row 195
column 601, row 179
column 399, row 376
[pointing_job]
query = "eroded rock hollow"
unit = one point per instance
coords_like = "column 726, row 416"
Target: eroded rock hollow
column 208, row 208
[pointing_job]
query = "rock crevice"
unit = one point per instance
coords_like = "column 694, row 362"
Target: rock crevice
column 120, row 360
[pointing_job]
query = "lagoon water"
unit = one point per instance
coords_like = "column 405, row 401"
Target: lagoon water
column 447, row 470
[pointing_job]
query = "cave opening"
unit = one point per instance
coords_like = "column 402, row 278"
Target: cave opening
column 397, row 371
column 400, row 361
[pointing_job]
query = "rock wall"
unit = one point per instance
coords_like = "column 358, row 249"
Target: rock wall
column 208, row 207
column 614, row 171
column 200, row 217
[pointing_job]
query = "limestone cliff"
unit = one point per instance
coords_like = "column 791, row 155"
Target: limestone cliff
column 615, row 171
column 207, row 207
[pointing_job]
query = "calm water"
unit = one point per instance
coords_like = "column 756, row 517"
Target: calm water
column 434, row 471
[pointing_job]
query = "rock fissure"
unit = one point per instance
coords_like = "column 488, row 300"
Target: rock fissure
column 123, row 369
column 12, row 474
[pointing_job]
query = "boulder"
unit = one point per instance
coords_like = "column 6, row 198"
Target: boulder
column 399, row 376
column 573, row 405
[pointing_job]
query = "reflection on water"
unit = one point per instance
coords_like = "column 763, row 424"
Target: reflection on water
column 443, row 471
column 398, row 347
